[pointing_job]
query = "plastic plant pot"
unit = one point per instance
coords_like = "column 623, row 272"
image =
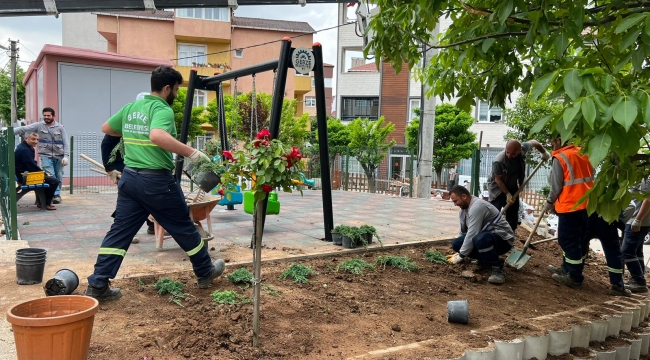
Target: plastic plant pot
column 598, row 330
column 536, row 347
column 458, row 311
column 580, row 335
column 511, row 350
column 64, row 282
column 559, row 342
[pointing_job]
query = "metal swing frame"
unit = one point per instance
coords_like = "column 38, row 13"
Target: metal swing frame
column 282, row 65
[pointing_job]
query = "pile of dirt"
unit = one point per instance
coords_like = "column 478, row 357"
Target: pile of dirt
column 336, row 314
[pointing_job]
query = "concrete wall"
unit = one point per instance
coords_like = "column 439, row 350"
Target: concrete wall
column 80, row 31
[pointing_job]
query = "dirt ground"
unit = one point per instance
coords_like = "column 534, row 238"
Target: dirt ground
column 339, row 315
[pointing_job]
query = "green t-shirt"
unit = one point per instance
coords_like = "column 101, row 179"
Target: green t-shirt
column 134, row 121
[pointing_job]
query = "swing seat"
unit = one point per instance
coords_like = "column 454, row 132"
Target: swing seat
column 273, row 207
column 308, row 182
column 232, row 197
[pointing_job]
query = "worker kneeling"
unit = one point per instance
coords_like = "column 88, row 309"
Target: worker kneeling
column 484, row 233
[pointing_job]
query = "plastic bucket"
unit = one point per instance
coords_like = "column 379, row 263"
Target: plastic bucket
column 337, row 239
column 349, row 243
column 53, row 328
column 458, row 311
column 30, row 265
column 64, row 282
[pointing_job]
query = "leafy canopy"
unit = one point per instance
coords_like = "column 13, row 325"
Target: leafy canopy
column 368, row 143
column 591, row 55
column 5, row 94
column 452, row 139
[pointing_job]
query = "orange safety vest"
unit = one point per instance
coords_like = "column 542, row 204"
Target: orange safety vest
column 578, row 178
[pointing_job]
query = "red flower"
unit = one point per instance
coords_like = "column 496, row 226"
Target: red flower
column 220, row 192
column 266, row 188
column 293, row 157
column 265, row 143
column 227, row 155
column 263, row 135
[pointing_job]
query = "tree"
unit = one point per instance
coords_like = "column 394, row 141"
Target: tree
column 368, row 144
column 196, row 120
column 412, row 133
column 524, row 115
column 589, row 54
column 452, row 141
column 5, row 94
column 338, row 139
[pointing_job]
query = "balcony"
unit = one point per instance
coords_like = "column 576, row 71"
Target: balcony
column 186, row 29
column 302, row 84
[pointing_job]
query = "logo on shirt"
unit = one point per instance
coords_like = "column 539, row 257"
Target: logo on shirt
column 136, row 115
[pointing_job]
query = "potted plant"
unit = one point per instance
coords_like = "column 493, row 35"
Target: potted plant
column 368, row 232
column 352, row 238
column 207, row 174
column 336, row 234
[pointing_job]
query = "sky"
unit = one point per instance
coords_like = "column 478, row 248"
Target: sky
column 35, row 31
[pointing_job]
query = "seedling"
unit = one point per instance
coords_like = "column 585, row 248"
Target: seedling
column 241, row 276
column 229, row 297
column 403, row 263
column 435, row 257
column 355, row 266
column 299, row 273
column 173, row 288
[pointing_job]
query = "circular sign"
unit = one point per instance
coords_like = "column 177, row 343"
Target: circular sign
column 303, row 61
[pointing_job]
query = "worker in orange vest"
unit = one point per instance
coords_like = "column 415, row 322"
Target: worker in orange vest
column 571, row 178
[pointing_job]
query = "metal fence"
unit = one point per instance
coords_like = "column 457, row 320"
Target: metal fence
column 8, row 183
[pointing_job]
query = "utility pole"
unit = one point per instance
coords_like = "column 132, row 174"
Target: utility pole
column 426, row 134
column 14, row 62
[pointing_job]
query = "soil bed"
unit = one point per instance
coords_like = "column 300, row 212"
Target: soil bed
column 337, row 315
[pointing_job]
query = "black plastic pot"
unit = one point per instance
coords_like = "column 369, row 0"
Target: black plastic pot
column 337, row 239
column 64, row 282
column 30, row 265
column 349, row 243
column 368, row 238
column 207, row 180
column 458, row 311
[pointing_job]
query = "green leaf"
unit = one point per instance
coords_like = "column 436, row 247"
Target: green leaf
column 598, row 148
column 647, row 26
column 628, row 40
column 570, row 113
column 487, row 43
column 646, row 110
column 628, row 22
column 561, row 43
column 566, row 132
column 539, row 126
column 589, row 111
column 637, row 59
column 505, row 10
column 572, row 84
column 625, row 113
column 540, row 86
column 596, row 70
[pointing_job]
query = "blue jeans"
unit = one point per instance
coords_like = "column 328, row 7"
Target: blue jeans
column 632, row 250
column 138, row 196
column 487, row 248
column 571, row 228
column 597, row 228
column 55, row 168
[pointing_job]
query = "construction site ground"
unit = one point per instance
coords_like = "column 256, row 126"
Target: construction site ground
column 335, row 315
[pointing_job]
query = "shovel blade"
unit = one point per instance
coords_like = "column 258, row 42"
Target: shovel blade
column 517, row 259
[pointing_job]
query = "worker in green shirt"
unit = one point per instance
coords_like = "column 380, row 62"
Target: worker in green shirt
column 148, row 187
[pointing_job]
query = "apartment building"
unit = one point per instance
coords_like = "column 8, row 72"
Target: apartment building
column 209, row 39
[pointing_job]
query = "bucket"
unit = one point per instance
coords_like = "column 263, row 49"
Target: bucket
column 30, row 265
column 64, row 282
column 349, row 243
column 458, row 311
column 53, row 328
column 337, row 239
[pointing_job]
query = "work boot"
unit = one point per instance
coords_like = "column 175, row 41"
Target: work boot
column 217, row 269
column 567, row 280
column 620, row 291
column 150, row 230
column 556, row 270
column 635, row 287
column 497, row 277
column 104, row 294
column 56, row 199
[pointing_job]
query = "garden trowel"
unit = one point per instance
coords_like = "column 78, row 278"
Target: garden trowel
column 518, row 259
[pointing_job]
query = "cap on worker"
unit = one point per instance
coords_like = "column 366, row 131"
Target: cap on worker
column 141, row 95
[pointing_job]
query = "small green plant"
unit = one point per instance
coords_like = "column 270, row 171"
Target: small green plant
column 435, row 257
column 173, row 288
column 229, row 297
column 403, row 263
column 355, row 235
column 209, row 166
column 270, row 290
column 299, row 273
column 354, row 266
column 367, row 229
column 241, row 276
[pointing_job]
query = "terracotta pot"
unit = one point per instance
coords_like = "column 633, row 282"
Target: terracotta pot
column 53, row 328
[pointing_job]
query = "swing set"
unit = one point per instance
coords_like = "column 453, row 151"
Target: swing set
column 304, row 61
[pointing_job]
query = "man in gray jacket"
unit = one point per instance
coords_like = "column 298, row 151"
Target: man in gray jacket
column 484, row 233
column 53, row 146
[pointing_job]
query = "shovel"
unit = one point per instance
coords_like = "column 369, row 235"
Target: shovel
column 518, row 259
column 521, row 188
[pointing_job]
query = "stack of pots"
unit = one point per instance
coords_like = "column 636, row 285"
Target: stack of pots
column 30, row 265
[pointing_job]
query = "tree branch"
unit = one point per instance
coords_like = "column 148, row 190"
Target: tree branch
column 468, row 41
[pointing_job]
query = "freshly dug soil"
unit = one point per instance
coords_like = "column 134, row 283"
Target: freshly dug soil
column 617, row 342
column 580, row 352
column 514, row 330
column 601, row 345
column 337, row 315
column 560, row 357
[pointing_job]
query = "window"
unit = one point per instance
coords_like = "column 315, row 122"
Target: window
column 352, row 108
column 200, row 98
column 219, row 14
column 188, row 54
column 488, row 114
column 328, row 82
column 413, row 104
column 310, row 101
column 239, row 53
column 313, row 82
